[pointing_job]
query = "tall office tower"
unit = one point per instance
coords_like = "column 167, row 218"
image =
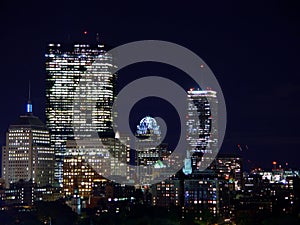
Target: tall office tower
column 149, row 152
column 28, row 154
column 202, row 136
column 80, row 73
column 148, row 133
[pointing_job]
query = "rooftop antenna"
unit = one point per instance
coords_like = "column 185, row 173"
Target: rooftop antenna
column 29, row 105
column 97, row 38
column 29, row 91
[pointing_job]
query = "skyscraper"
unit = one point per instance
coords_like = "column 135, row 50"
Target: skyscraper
column 202, row 136
column 67, row 67
column 28, row 154
column 148, row 133
column 149, row 151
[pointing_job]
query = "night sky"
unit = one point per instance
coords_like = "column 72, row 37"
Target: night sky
column 251, row 46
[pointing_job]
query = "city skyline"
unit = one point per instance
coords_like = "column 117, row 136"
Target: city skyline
column 236, row 147
column 252, row 49
column 210, row 93
column 150, row 112
column 223, row 193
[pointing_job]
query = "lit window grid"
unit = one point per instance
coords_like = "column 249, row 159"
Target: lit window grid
column 28, row 155
column 64, row 70
column 200, row 106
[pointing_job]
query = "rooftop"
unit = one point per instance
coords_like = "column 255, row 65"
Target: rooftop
column 28, row 120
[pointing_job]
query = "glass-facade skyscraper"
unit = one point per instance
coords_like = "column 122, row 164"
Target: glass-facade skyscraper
column 202, row 129
column 72, row 71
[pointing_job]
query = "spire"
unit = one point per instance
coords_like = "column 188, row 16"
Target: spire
column 29, row 105
column 29, row 91
column 187, row 169
column 97, row 38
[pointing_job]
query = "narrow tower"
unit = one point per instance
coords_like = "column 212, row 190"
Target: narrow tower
column 27, row 154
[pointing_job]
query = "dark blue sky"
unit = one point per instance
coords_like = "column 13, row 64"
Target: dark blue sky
column 251, row 46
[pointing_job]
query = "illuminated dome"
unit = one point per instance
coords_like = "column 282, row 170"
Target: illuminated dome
column 148, row 126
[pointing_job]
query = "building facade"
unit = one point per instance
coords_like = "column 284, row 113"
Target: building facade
column 149, row 151
column 229, row 167
column 200, row 195
column 202, row 129
column 79, row 74
column 27, row 154
column 167, row 193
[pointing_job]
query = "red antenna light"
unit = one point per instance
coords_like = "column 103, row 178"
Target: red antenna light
column 240, row 148
column 85, row 32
